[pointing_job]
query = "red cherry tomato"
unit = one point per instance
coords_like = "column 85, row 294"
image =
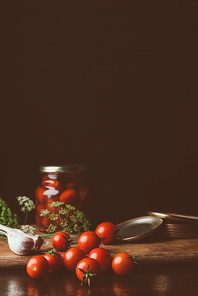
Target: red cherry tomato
column 37, row 267
column 122, row 263
column 72, row 257
column 88, row 241
column 60, row 241
column 55, row 261
column 68, row 196
column 89, row 267
column 39, row 194
column 102, row 256
column 106, row 230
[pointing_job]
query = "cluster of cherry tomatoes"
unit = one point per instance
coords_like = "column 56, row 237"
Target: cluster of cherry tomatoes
column 88, row 260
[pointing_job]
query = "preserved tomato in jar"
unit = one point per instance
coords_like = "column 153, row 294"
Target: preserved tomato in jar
column 66, row 184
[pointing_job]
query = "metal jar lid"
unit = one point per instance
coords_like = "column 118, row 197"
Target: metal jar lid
column 138, row 228
column 63, row 168
column 172, row 216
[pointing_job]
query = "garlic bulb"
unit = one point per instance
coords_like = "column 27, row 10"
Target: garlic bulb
column 19, row 242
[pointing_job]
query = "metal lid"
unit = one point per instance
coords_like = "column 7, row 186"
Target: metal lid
column 172, row 216
column 64, row 168
column 138, row 228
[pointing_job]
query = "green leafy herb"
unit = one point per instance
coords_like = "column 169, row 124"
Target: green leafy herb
column 66, row 218
column 7, row 217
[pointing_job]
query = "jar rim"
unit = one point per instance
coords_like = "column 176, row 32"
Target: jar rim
column 63, row 168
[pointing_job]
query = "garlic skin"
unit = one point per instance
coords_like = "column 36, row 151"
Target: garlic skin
column 21, row 243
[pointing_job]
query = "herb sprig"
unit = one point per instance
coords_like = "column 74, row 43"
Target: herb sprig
column 27, row 205
column 66, row 218
column 8, row 218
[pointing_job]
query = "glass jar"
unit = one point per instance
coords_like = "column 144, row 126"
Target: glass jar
column 66, row 184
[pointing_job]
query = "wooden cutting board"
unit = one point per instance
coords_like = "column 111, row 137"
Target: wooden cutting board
column 153, row 250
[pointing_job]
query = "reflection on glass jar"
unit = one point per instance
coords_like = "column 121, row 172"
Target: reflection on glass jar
column 66, row 184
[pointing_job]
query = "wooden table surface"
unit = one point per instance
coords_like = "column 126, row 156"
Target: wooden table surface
column 167, row 267
column 153, row 250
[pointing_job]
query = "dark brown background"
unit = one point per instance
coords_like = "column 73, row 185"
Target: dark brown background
column 109, row 84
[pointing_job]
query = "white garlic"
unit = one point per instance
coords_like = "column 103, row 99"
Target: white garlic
column 19, row 242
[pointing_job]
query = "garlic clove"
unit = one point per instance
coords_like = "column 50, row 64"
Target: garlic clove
column 20, row 247
column 21, row 243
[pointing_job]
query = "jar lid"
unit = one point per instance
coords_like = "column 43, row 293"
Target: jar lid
column 64, row 168
column 138, row 228
column 172, row 216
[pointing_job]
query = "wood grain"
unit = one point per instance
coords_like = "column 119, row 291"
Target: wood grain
column 154, row 250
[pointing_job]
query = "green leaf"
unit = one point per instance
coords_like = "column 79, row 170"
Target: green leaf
column 7, row 217
column 83, row 279
column 51, row 252
column 82, row 270
column 133, row 259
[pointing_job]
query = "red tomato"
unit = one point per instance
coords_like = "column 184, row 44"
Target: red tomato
column 88, row 241
column 122, row 263
column 40, row 207
column 90, row 268
column 39, row 194
column 72, row 257
column 68, row 196
column 55, row 261
column 60, row 241
column 106, row 230
column 37, row 267
column 102, row 256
